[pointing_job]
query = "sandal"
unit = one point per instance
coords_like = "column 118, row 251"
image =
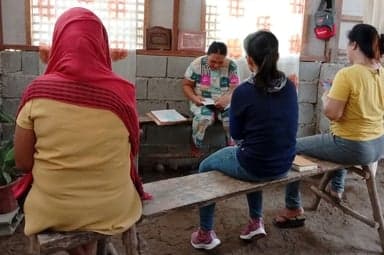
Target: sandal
column 195, row 152
column 290, row 218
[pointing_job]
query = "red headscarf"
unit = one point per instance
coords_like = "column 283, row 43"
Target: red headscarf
column 79, row 72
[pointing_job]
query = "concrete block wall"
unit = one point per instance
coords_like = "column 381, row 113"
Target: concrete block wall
column 159, row 86
column 159, row 83
column 307, row 95
column 328, row 72
column 17, row 70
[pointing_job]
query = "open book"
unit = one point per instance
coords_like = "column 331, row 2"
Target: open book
column 166, row 117
column 301, row 164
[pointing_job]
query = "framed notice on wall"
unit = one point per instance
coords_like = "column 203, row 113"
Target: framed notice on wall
column 194, row 41
column 158, row 38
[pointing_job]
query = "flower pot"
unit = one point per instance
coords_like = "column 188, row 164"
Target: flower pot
column 8, row 202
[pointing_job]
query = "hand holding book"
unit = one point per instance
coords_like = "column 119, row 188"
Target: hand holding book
column 208, row 101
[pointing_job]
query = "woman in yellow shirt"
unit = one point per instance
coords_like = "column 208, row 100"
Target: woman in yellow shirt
column 355, row 106
column 77, row 131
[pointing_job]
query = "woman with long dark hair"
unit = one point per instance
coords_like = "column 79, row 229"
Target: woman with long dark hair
column 355, row 106
column 264, row 118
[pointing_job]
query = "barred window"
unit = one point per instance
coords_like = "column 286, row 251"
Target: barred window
column 236, row 8
column 230, row 22
column 140, row 8
column 211, row 21
column 123, row 19
column 297, row 6
column 263, row 22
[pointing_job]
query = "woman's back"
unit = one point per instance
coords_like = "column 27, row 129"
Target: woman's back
column 269, row 127
column 81, row 169
column 362, row 88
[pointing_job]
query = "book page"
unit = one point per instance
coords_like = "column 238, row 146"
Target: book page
column 208, row 101
column 170, row 115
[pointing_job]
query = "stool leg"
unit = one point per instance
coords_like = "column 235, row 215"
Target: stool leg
column 375, row 201
column 34, row 248
column 111, row 250
column 130, row 241
column 323, row 183
column 102, row 247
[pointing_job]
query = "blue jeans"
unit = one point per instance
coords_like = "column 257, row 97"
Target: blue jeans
column 225, row 161
column 333, row 148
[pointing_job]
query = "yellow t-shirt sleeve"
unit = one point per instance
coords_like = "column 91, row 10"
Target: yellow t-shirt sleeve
column 24, row 119
column 341, row 88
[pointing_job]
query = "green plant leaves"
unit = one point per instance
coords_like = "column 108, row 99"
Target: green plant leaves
column 5, row 178
column 7, row 173
column 7, row 167
column 7, row 158
column 6, row 118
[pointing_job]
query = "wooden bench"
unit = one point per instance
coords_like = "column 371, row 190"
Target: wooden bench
column 203, row 188
column 51, row 242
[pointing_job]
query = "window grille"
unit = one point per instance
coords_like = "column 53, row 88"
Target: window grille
column 263, row 22
column 123, row 19
column 297, row 6
column 236, row 8
column 211, row 22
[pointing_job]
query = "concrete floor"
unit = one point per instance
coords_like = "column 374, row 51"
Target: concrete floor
column 327, row 231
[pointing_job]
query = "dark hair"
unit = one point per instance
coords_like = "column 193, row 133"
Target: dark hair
column 263, row 48
column 368, row 40
column 218, row 48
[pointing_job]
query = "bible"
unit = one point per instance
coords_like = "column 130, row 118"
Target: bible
column 301, row 164
column 166, row 117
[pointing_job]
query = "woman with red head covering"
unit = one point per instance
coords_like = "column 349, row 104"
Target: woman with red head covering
column 77, row 132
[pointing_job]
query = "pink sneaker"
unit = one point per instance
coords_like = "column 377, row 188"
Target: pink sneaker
column 207, row 240
column 255, row 228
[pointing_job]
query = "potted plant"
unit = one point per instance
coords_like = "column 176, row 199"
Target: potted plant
column 8, row 173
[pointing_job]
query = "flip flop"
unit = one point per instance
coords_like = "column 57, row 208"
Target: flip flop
column 282, row 221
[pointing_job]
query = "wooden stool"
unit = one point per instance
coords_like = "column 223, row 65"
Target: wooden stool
column 50, row 242
column 368, row 173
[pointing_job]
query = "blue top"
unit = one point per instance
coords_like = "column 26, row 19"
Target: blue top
column 266, row 122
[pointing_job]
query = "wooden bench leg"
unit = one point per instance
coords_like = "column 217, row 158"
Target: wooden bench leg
column 111, row 250
column 347, row 210
column 130, row 241
column 34, row 247
column 322, row 185
column 102, row 247
column 368, row 173
column 375, row 201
